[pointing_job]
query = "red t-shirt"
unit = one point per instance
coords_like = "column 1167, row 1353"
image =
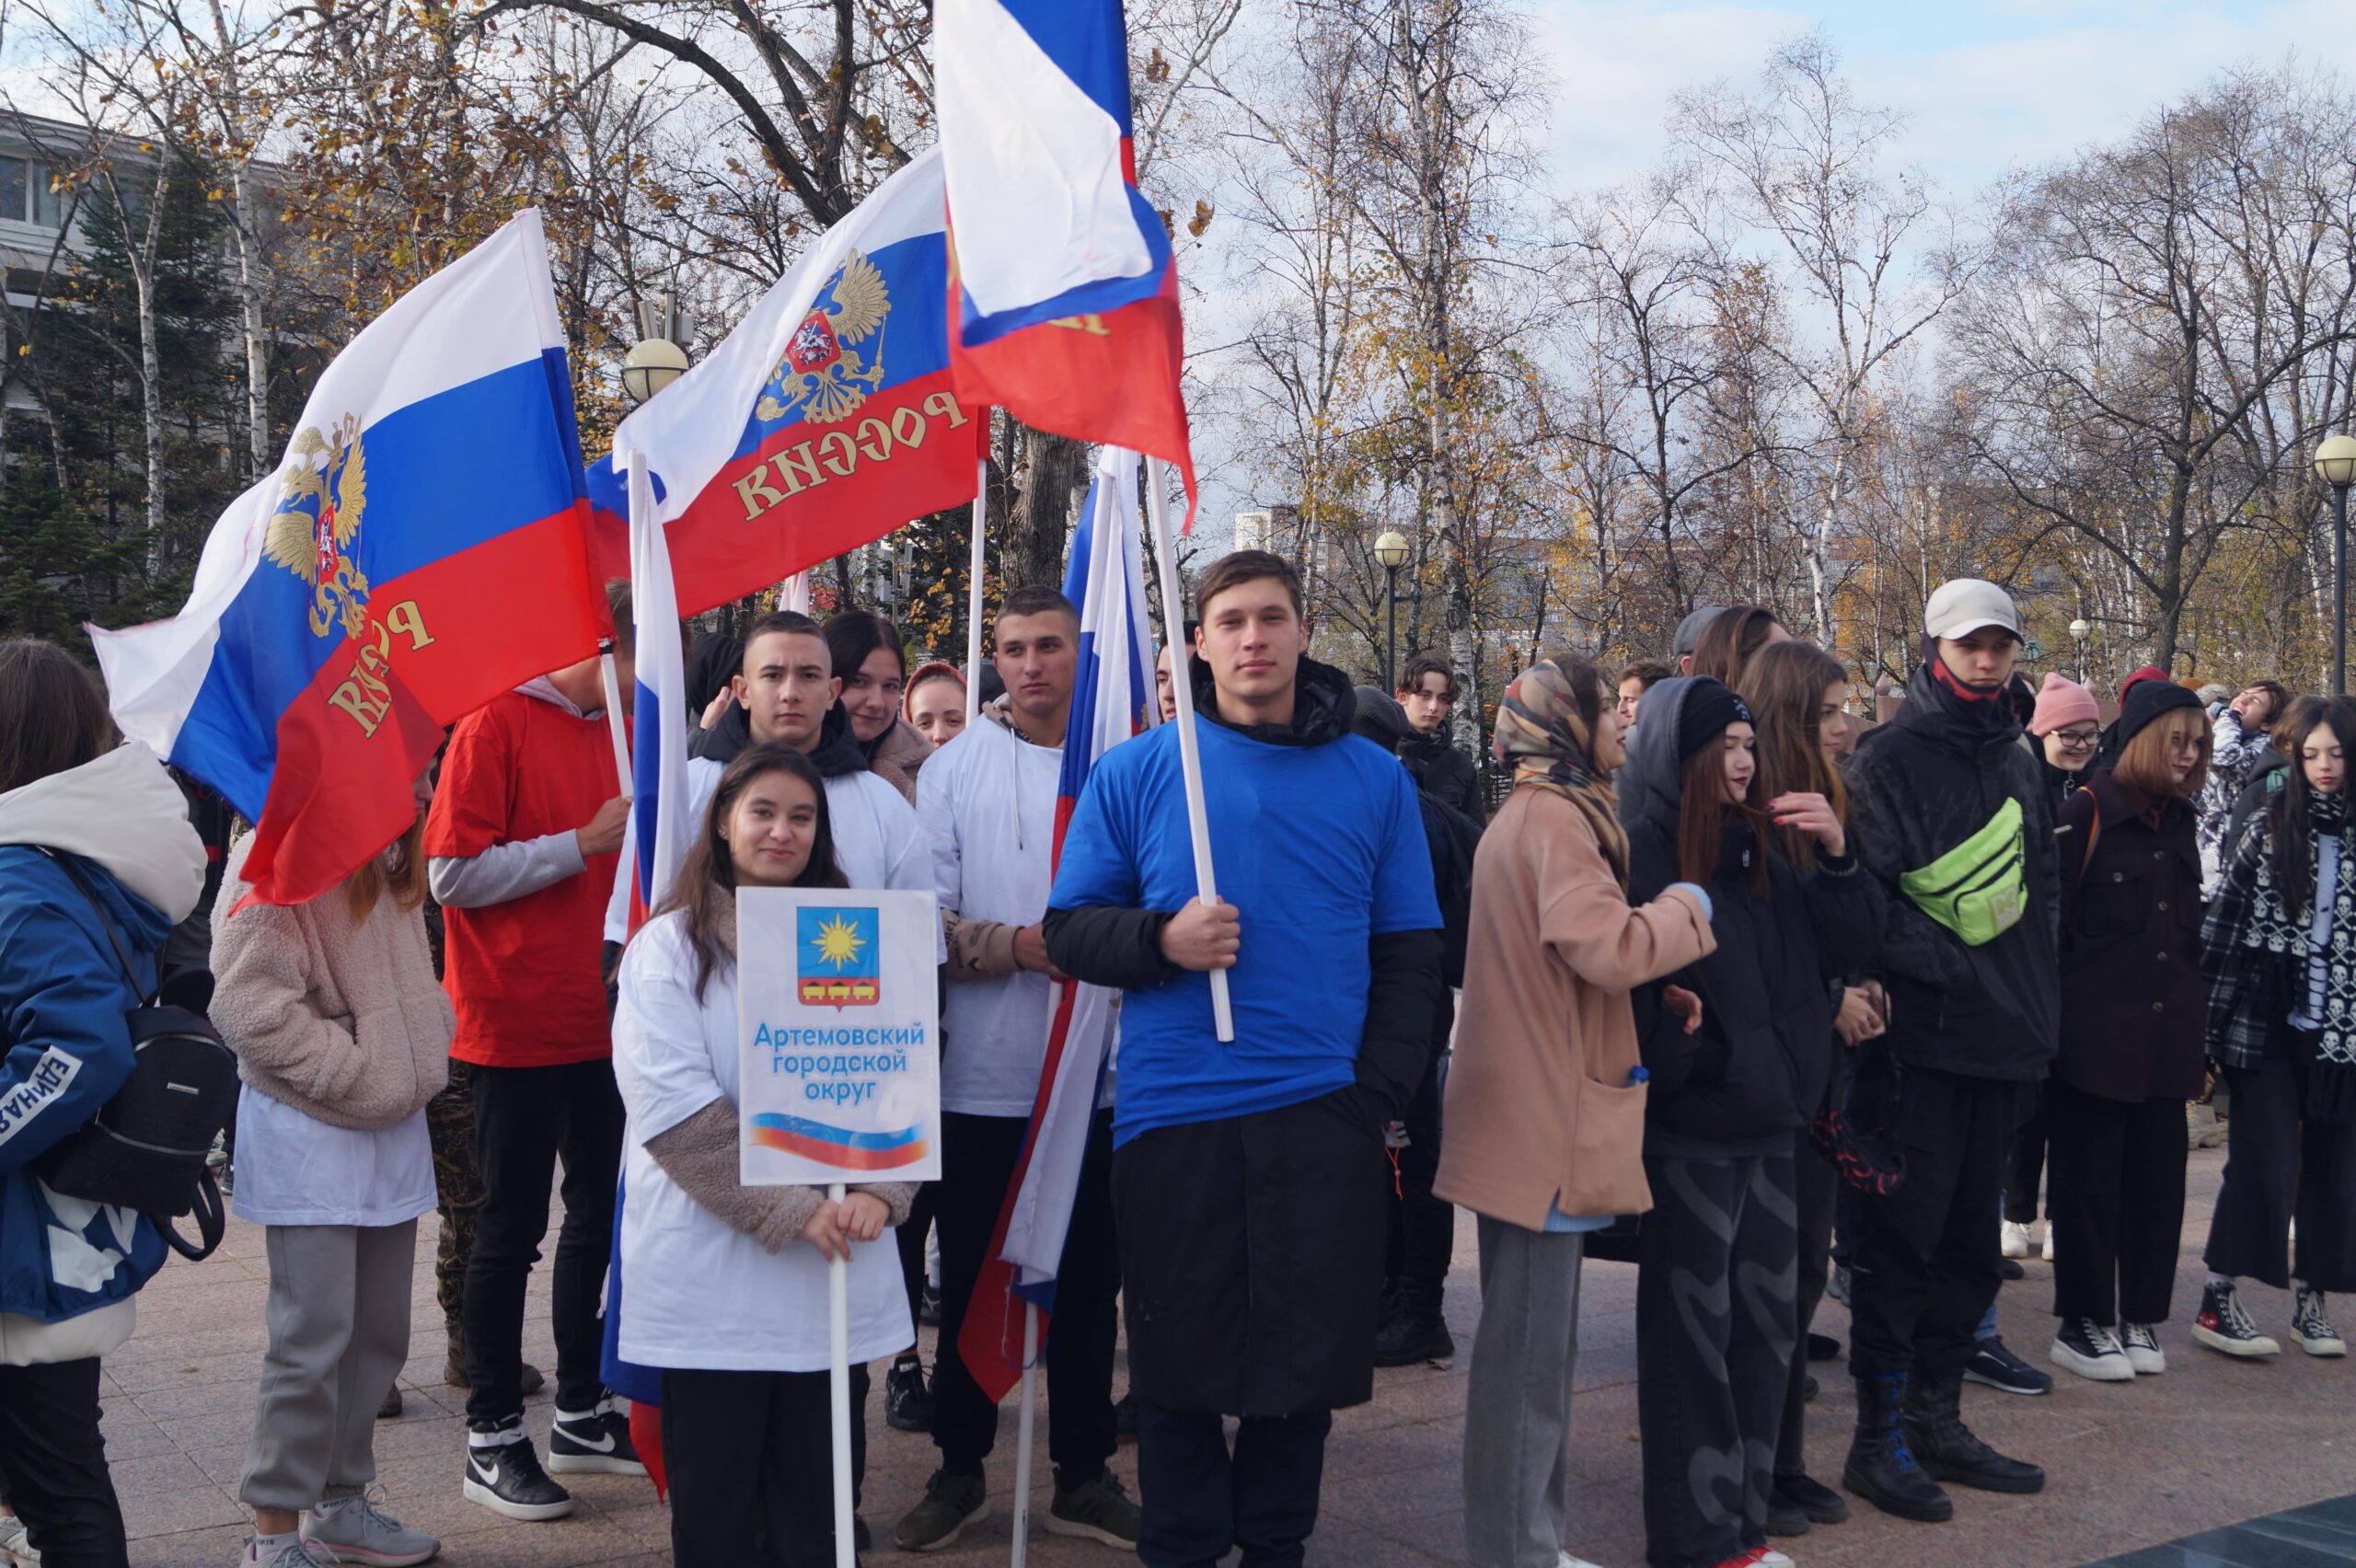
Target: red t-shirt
column 523, row 976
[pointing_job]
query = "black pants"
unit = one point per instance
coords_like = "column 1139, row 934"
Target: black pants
column 2280, row 1165
column 1922, row 1262
column 1423, row 1225
column 1206, row 1502
column 54, row 1464
column 747, row 1456
column 2025, row 1165
column 1716, row 1333
column 2117, row 1204
column 910, row 1238
column 1817, row 1183
column 978, row 1155
column 526, row 1119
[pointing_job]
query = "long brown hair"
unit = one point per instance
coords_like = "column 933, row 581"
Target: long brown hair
column 404, row 877
column 2143, row 762
column 708, row 873
column 2289, row 817
column 51, row 716
column 1701, row 813
column 1785, row 685
column 1729, row 642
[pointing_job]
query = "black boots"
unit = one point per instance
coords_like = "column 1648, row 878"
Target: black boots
column 1881, row 1468
column 1945, row 1446
column 1412, row 1329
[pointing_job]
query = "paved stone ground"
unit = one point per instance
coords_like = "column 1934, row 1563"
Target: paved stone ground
column 2210, row 1443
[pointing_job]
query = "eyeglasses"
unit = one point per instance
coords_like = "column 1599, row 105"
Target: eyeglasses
column 2077, row 740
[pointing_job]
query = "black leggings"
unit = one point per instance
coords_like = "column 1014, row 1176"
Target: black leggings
column 54, row 1464
column 748, row 1456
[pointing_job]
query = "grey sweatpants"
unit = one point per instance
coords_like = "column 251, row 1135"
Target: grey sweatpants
column 339, row 1315
column 1517, row 1409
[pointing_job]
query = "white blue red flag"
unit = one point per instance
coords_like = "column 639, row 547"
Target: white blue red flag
column 1065, row 295
column 419, row 550
column 659, row 831
column 1111, row 700
column 824, row 421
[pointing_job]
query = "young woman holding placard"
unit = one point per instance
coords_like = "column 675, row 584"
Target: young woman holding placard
column 727, row 1284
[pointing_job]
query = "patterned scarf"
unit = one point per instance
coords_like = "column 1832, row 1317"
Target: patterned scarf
column 2255, row 956
column 1540, row 733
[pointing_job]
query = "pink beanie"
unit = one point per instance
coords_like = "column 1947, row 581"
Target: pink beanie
column 2060, row 702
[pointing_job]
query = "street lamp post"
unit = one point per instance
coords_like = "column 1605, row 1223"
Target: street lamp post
column 2079, row 631
column 2336, row 466
column 1391, row 551
column 656, row 359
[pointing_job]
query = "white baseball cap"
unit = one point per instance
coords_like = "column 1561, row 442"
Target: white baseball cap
column 1962, row 606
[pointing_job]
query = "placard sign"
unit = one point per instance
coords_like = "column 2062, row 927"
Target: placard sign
column 839, row 1024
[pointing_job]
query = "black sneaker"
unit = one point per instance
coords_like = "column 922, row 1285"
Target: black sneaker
column 907, row 1403
column 2093, row 1351
column 1097, row 1510
column 595, row 1443
column 1784, row 1517
column 506, row 1478
column 1819, row 1502
column 1412, row 1330
column 2222, row 1325
column 2010, row 1269
column 2312, row 1326
column 1822, row 1347
column 1992, row 1366
column 951, row 1503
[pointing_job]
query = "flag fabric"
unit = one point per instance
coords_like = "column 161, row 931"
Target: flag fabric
column 824, row 421
column 1065, row 292
column 1112, row 698
column 419, row 550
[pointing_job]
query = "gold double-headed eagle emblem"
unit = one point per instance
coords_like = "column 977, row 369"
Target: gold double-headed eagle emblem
column 821, row 373
column 316, row 524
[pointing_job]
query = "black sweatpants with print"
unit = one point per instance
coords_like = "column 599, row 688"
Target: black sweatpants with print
column 1716, row 1331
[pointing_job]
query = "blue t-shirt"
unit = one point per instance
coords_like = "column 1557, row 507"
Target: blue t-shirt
column 1319, row 848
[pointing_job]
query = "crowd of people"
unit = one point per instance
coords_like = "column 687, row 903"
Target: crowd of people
column 1732, row 983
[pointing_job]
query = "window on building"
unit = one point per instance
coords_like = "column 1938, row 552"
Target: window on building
column 26, row 195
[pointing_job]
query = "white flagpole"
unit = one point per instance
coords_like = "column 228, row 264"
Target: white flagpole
column 1025, row 1427
column 838, row 1378
column 635, row 464
column 973, row 595
column 1189, row 754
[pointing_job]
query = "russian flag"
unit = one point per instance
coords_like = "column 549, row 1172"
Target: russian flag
column 824, row 421
column 1111, row 700
column 660, row 833
column 419, row 550
column 1065, row 293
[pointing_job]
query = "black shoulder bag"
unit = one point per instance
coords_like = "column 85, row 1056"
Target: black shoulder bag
column 146, row 1148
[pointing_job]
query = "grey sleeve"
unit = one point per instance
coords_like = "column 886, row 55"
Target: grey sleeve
column 504, row 870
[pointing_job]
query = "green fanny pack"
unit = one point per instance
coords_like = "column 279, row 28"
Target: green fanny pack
column 1977, row 889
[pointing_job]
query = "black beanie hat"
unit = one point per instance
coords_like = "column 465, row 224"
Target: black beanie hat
column 2146, row 701
column 1709, row 708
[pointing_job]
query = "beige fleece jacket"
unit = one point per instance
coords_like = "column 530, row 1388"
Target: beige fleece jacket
column 344, row 1022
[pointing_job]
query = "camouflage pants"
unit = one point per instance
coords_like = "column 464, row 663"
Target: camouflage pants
column 450, row 1123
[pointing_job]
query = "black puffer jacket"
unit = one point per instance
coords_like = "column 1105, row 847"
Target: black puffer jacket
column 1919, row 786
column 836, row 752
column 1444, row 773
column 1757, row 1068
column 1123, row 947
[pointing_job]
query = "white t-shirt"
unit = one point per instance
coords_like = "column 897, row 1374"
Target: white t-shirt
column 987, row 803
column 878, row 843
column 294, row 1168
column 695, row 1292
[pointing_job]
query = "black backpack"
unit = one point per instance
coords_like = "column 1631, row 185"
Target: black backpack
column 147, row 1148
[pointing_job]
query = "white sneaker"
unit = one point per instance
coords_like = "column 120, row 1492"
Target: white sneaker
column 1568, row 1561
column 15, row 1543
column 2092, row 1351
column 2142, row 1348
column 2049, row 1240
column 2017, row 1236
column 1768, row 1556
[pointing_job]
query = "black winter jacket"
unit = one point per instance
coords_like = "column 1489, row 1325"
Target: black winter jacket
column 1123, row 947
column 835, row 755
column 1444, row 773
column 1757, row 1068
column 1919, row 786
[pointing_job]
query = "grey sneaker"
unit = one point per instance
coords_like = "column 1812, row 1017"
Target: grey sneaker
column 1098, row 1510
column 15, row 1543
column 296, row 1553
column 951, row 1503
column 355, row 1530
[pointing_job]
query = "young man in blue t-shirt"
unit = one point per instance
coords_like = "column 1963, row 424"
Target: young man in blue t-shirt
column 1247, row 1175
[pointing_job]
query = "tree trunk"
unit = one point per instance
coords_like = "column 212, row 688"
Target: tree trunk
column 151, row 372
column 1053, row 469
column 250, row 301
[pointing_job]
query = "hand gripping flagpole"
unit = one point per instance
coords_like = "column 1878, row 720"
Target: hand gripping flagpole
column 838, row 1387
column 1025, row 1427
column 973, row 595
column 1189, row 754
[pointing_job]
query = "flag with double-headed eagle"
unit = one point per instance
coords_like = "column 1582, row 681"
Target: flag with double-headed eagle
column 824, row 421
column 1065, row 303
column 420, row 549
